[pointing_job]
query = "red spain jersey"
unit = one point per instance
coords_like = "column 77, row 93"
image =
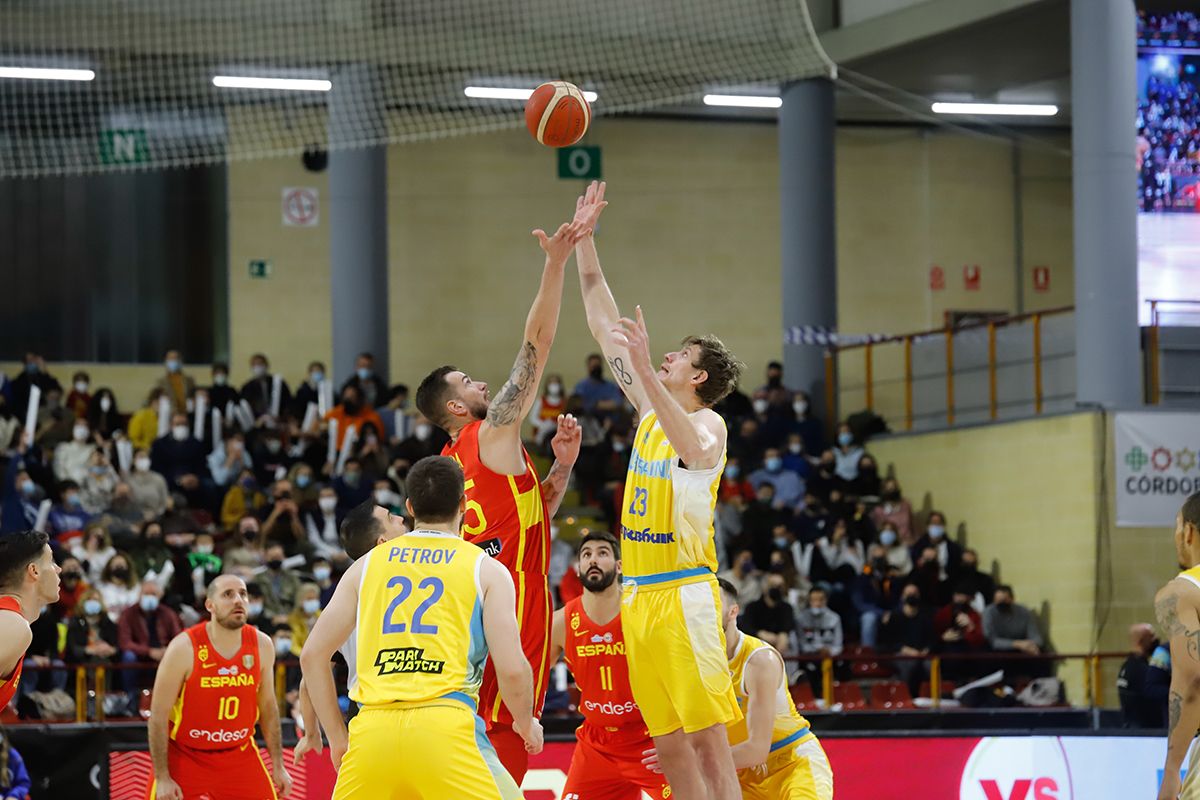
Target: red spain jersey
column 596, row 656
column 506, row 514
column 218, row 706
column 9, row 683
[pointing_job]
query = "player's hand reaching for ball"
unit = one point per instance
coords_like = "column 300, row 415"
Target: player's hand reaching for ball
column 566, row 441
column 559, row 247
column 636, row 341
column 167, row 789
column 588, row 207
column 282, row 780
column 533, row 736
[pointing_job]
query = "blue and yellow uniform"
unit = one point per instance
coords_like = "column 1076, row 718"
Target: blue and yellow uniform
column 796, row 767
column 671, row 607
column 421, row 651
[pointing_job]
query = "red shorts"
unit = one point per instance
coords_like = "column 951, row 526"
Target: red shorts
column 607, row 765
column 238, row 773
column 534, row 608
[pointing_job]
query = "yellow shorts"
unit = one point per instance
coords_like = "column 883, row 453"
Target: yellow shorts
column 805, row 776
column 676, row 651
column 423, row 753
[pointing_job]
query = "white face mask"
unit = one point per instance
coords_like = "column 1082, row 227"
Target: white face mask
column 800, row 407
column 423, row 431
column 322, row 573
column 220, row 379
column 384, row 497
column 179, row 432
column 80, row 433
column 554, row 390
column 81, row 387
column 760, row 406
column 327, row 504
column 258, row 370
column 106, row 404
column 141, row 464
column 795, row 448
column 204, row 549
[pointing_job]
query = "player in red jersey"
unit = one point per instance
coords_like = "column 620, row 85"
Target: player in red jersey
column 614, row 758
column 214, row 683
column 508, row 509
column 28, row 581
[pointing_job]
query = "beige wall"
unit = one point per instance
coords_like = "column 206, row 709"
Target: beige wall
column 1026, row 495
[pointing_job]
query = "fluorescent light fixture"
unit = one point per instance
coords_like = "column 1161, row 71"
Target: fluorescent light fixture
column 742, row 101
column 500, row 93
column 997, row 109
column 283, row 84
column 47, row 74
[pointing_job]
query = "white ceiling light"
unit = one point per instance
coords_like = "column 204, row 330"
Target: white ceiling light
column 742, row 101
column 501, row 93
column 47, row 74
column 997, row 109
column 283, row 84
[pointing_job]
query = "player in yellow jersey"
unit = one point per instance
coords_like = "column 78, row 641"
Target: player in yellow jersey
column 430, row 608
column 1178, row 608
column 671, row 608
column 778, row 757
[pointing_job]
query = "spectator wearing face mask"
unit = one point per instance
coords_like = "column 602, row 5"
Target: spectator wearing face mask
column 371, row 451
column 949, row 552
column 279, row 584
column 151, row 554
column 103, row 416
column 255, row 610
column 99, row 484
column 68, row 514
column 309, row 391
column 896, row 509
column 813, row 520
column 181, row 460
column 243, row 554
column 175, row 383
column 79, row 398
column 745, row 577
column 771, row 618
column 21, row 495
column 734, row 407
column 257, row 391
column 1010, row 626
column 759, row 520
column 968, row 574
column 71, row 459
column 847, row 454
column 426, row 440
column 33, row 373
column 818, row 633
column 118, row 585
column 203, row 563
column 282, row 524
column 143, row 425
column 352, row 411
column 909, row 632
column 91, row 633
column 873, row 594
column 959, row 629
column 351, row 487
column 220, row 393
column 842, row 554
column 789, row 488
column 143, row 632
column 72, row 584
column 746, row 445
column 928, row 576
column 600, row 396
column 322, row 524
column 898, row 556
column 735, row 488
column 150, row 495
column 304, row 487
column 794, row 457
column 322, row 572
column 54, row 423
column 371, row 387
column 543, row 415
column 397, row 422
column 94, row 550
column 229, row 459
column 242, row 498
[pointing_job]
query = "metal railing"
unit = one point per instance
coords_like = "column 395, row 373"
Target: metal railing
column 947, row 335
column 1161, row 310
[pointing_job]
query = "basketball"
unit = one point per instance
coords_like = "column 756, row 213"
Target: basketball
column 557, row 114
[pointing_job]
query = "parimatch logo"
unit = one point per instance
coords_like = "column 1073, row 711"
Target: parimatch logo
column 406, row 659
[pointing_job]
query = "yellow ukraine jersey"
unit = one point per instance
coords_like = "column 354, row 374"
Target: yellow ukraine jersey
column 667, row 516
column 1191, row 575
column 419, row 632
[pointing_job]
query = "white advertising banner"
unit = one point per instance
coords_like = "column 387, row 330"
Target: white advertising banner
column 1157, row 466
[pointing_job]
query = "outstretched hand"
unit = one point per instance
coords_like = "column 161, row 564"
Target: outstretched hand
column 588, row 207
column 567, row 440
column 633, row 337
column 558, row 247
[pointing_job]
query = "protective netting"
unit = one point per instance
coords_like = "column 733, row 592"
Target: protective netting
column 398, row 70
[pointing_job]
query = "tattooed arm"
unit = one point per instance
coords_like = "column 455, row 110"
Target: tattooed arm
column 1177, row 606
column 601, row 308
column 566, row 443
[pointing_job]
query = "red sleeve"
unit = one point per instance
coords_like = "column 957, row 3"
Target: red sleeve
column 941, row 620
column 974, row 636
column 125, row 634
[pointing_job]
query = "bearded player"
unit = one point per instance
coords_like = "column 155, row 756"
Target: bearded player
column 216, row 680
column 28, row 581
column 671, row 607
column 777, row 754
column 508, row 509
column 610, row 758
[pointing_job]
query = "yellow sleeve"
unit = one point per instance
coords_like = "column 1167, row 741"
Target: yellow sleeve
column 233, row 508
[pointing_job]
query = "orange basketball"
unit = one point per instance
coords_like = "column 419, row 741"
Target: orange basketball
column 557, row 114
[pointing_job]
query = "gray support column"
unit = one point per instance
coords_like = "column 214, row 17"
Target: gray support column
column 358, row 222
column 806, row 220
column 1104, row 106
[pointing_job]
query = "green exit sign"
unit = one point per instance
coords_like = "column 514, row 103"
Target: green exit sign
column 124, row 147
column 580, row 162
column 260, row 268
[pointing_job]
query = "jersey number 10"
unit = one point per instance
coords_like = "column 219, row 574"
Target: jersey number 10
column 435, row 587
column 228, row 707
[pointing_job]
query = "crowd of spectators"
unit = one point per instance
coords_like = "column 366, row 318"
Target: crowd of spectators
column 145, row 509
column 1168, row 118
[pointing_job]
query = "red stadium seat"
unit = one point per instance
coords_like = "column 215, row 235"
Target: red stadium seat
column 891, row 695
column 803, row 697
column 867, row 668
column 849, row 695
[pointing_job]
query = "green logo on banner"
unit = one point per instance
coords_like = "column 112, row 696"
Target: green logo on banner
column 124, row 147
